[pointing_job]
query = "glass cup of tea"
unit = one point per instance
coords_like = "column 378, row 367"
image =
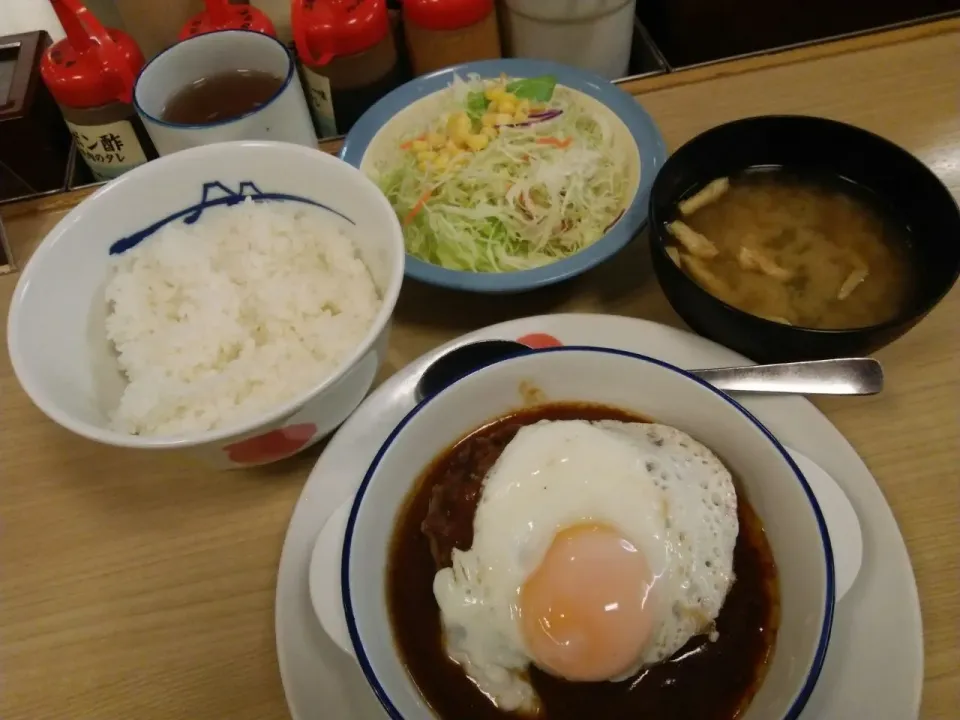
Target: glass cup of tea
column 222, row 86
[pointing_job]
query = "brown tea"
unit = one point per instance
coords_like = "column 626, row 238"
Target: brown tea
column 220, row 97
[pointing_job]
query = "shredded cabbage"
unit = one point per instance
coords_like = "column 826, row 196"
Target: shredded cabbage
column 520, row 202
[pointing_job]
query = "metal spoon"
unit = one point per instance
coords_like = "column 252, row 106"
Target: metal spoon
column 843, row 376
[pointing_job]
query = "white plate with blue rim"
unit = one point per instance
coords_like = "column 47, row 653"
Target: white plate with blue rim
column 866, row 673
column 372, row 145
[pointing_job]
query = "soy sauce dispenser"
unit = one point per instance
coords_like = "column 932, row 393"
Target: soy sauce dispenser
column 349, row 57
column 91, row 73
column 227, row 15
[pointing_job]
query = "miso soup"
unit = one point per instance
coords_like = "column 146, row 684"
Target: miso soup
column 801, row 251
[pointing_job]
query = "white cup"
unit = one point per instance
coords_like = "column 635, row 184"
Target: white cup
column 285, row 117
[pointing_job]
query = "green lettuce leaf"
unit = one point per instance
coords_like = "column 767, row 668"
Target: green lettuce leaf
column 538, row 89
column 477, row 105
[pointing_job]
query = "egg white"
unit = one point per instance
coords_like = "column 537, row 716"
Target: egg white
column 666, row 493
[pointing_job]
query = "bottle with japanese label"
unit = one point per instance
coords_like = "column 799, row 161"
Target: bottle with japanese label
column 349, row 57
column 227, row 15
column 91, row 74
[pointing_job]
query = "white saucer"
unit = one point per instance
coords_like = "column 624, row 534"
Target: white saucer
column 843, row 526
column 867, row 673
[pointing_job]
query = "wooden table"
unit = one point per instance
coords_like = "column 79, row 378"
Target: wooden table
column 141, row 586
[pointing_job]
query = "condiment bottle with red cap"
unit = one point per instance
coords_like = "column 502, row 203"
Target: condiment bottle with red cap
column 441, row 33
column 227, row 15
column 91, row 73
column 349, row 58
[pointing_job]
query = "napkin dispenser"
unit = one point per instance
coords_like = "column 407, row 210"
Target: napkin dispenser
column 34, row 140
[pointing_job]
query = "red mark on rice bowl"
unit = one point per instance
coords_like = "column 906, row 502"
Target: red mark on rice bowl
column 274, row 445
column 538, row 341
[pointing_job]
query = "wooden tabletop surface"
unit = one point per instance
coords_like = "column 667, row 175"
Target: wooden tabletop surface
column 138, row 586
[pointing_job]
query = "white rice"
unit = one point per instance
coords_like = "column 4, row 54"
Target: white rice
column 219, row 321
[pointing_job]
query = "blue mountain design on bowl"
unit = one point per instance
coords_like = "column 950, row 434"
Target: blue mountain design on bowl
column 214, row 194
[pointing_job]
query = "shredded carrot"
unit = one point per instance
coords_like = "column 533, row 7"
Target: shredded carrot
column 409, row 143
column 556, row 142
column 418, row 207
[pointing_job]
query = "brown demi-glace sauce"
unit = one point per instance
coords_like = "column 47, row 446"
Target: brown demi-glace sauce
column 703, row 681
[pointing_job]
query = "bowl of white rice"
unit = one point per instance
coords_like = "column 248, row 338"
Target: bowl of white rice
column 233, row 299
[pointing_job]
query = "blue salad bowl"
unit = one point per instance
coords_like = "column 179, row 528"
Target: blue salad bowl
column 374, row 144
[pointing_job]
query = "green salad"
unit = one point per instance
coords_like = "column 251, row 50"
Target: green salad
column 510, row 175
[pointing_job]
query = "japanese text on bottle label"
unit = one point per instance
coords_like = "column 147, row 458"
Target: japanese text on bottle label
column 109, row 150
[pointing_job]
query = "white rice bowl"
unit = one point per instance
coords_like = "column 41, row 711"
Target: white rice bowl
column 217, row 322
column 322, row 362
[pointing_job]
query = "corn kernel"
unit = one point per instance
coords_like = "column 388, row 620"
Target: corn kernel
column 452, row 147
column 419, row 146
column 507, row 107
column 520, row 116
column 490, row 132
column 488, row 120
column 458, row 125
column 441, row 161
column 509, row 97
column 436, row 140
column 504, row 119
column 426, row 155
column 523, row 106
column 494, row 93
column 422, row 166
column 477, row 142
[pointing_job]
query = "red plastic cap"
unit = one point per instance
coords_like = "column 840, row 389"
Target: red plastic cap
column 92, row 65
column 221, row 15
column 324, row 29
column 446, row 14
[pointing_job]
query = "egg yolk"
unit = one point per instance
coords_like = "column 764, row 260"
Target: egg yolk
column 585, row 612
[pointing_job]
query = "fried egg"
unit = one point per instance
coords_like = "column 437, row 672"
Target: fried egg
column 599, row 549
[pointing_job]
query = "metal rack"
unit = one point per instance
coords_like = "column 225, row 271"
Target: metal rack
column 6, row 257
